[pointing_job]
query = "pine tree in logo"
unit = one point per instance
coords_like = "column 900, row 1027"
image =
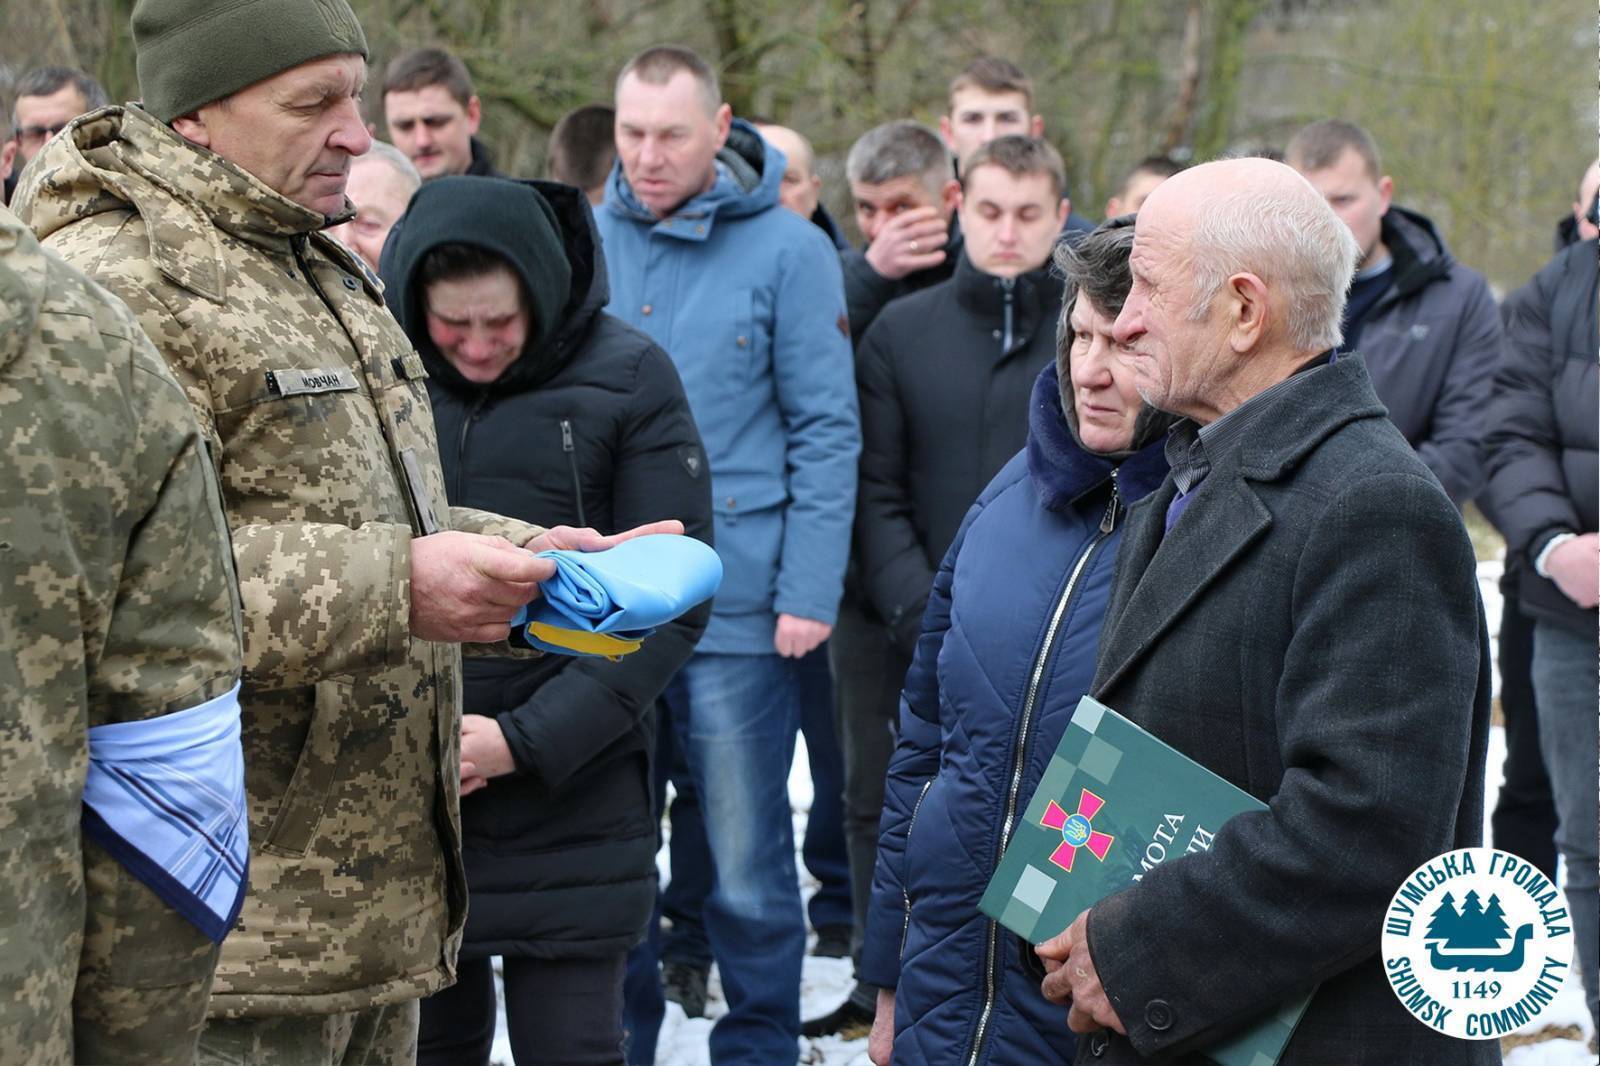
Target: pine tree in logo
column 1445, row 921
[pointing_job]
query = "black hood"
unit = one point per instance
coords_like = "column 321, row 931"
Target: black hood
column 544, row 229
column 1419, row 252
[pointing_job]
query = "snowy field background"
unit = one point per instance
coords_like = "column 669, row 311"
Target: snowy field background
column 1558, row 1039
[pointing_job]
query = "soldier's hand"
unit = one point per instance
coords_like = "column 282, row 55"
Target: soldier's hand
column 588, row 540
column 466, row 587
column 910, row 241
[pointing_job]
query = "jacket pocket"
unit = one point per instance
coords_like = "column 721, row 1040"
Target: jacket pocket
column 748, row 510
column 905, row 879
column 315, row 771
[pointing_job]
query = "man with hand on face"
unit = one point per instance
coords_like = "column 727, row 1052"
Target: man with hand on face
column 202, row 208
column 1296, row 595
column 747, row 300
column 381, row 184
column 944, row 377
column 433, row 111
column 905, row 200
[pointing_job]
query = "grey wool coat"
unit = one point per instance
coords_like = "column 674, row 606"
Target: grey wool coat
column 1311, row 631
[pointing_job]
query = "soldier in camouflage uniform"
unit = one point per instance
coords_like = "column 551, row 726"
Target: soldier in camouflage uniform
column 203, row 209
column 118, row 606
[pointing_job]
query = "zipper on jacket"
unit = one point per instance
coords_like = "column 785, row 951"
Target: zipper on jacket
column 461, row 442
column 572, row 464
column 1019, row 749
column 1009, row 287
column 905, row 893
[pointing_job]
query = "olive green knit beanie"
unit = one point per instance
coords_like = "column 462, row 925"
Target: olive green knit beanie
column 192, row 52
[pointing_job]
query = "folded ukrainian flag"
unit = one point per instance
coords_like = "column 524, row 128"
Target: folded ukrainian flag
column 605, row 603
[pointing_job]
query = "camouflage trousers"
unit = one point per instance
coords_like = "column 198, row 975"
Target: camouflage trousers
column 377, row 1036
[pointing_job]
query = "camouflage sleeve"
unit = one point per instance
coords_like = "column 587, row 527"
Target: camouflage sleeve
column 467, row 520
column 172, row 642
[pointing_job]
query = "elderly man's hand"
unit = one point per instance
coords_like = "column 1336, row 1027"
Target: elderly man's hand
column 466, row 587
column 1072, row 978
column 911, row 241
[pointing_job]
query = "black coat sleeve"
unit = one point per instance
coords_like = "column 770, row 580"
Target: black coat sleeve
column 660, row 472
column 894, row 565
column 865, row 291
column 1527, row 491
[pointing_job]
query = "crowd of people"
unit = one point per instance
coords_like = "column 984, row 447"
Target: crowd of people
column 291, row 411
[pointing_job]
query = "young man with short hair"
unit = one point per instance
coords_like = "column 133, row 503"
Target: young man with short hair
column 1425, row 324
column 432, row 111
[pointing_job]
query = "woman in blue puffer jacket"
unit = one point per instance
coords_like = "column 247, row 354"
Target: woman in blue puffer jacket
column 1007, row 648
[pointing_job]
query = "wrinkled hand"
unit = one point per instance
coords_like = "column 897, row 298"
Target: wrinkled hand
column 797, row 636
column 1575, row 568
column 484, row 752
column 910, row 241
column 880, row 1042
column 466, row 587
column 1072, row 978
column 568, row 538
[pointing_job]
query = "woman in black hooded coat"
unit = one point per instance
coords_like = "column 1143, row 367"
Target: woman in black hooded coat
column 588, row 425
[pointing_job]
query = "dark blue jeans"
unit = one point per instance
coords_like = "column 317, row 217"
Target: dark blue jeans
column 734, row 719
column 1564, row 682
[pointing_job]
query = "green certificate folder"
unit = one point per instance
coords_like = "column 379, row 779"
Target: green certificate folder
column 1113, row 804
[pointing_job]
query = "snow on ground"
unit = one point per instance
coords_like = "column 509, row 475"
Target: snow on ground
column 826, row 982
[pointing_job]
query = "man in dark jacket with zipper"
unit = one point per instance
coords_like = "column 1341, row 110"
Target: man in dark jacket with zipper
column 944, row 377
column 545, row 403
column 1426, row 325
column 1542, row 488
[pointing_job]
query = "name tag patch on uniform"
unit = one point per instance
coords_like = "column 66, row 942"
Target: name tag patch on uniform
column 304, row 382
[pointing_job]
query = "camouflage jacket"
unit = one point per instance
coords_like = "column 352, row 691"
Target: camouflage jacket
column 118, row 604
column 315, row 405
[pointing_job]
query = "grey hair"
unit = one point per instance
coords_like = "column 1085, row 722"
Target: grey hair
column 1096, row 267
column 384, row 152
column 899, row 150
column 1289, row 238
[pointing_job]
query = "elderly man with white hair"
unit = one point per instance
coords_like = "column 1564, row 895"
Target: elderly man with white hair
column 381, row 185
column 1296, row 609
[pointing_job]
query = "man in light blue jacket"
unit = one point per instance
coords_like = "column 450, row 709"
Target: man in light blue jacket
column 748, row 300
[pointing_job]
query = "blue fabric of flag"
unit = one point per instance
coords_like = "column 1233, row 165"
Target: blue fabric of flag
column 165, row 797
column 622, row 593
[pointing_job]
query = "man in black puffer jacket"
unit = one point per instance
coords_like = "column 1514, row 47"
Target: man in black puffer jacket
column 1542, row 447
column 545, row 404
